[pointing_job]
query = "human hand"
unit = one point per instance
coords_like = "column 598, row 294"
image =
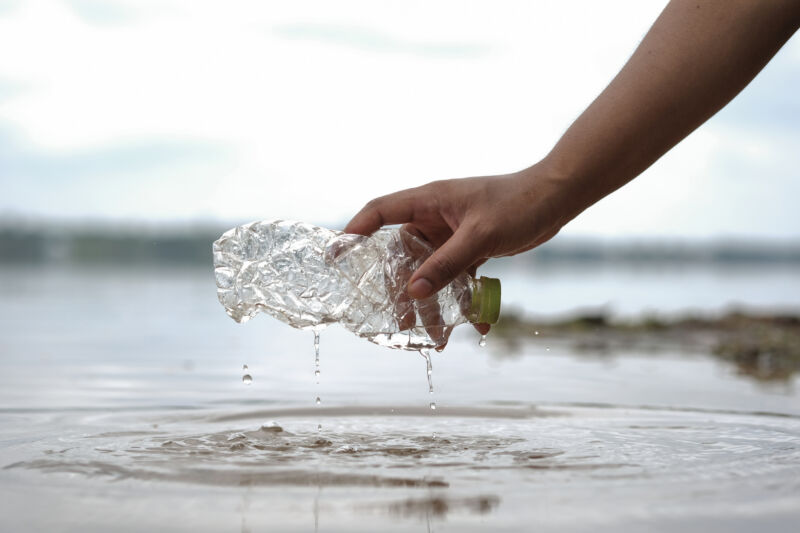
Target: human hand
column 688, row 66
column 383, row 272
column 470, row 220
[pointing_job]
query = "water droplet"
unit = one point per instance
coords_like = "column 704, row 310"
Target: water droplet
column 316, row 355
column 547, row 349
column 318, row 401
column 433, row 405
column 244, row 368
column 535, row 332
column 482, row 342
column 247, row 379
column 429, row 368
column 319, row 427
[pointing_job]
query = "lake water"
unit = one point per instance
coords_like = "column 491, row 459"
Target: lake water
column 122, row 408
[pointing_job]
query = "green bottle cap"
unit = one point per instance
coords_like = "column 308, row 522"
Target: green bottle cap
column 486, row 300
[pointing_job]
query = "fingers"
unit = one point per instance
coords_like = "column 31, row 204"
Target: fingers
column 455, row 256
column 396, row 281
column 431, row 315
column 473, row 270
column 394, row 208
column 340, row 245
column 404, row 311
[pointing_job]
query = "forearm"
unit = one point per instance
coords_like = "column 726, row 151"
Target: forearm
column 697, row 56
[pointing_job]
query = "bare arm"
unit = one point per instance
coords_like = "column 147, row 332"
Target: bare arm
column 697, row 56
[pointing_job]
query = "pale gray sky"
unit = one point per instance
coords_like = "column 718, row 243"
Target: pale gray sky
column 184, row 110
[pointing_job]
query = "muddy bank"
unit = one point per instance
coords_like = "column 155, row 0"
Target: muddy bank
column 762, row 346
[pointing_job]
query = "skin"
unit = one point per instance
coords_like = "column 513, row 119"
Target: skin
column 697, row 56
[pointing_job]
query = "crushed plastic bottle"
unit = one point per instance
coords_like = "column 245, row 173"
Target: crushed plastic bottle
column 309, row 277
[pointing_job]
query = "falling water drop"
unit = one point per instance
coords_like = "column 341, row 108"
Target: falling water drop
column 482, row 342
column 319, row 427
column 433, row 405
column 244, row 368
column 535, row 332
column 429, row 368
column 316, row 359
column 247, row 379
column 316, row 348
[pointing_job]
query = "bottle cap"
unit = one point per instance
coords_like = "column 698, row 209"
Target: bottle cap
column 486, row 300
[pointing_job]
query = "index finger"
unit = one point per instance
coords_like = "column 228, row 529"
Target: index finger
column 428, row 310
column 395, row 208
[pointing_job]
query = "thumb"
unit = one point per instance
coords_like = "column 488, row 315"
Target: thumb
column 460, row 251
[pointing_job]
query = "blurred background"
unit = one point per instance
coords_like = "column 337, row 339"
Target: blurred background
column 159, row 115
column 649, row 354
column 132, row 134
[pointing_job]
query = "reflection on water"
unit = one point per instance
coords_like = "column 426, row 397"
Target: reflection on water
column 488, row 464
column 439, row 506
column 481, row 457
column 139, row 420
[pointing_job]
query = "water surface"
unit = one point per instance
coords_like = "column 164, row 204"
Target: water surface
column 122, row 407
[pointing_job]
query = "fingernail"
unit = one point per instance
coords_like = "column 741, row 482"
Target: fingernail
column 420, row 288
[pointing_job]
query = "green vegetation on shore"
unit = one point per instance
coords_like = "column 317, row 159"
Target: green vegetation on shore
column 128, row 246
column 102, row 242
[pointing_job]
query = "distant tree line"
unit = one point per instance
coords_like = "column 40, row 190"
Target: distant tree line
column 51, row 245
column 38, row 246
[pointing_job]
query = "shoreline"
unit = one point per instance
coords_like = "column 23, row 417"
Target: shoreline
column 764, row 346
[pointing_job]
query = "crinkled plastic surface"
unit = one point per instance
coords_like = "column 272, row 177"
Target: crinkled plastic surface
column 309, row 277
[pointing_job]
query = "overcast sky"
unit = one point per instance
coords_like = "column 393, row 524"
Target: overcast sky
column 181, row 111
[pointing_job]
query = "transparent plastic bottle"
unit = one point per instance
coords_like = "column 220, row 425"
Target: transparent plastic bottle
column 309, row 277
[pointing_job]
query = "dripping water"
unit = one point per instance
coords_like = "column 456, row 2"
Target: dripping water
column 318, row 401
column 429, row 370
column 316, row 353
column 482, row 342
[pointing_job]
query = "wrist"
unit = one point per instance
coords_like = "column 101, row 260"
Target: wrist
column 557, row 195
